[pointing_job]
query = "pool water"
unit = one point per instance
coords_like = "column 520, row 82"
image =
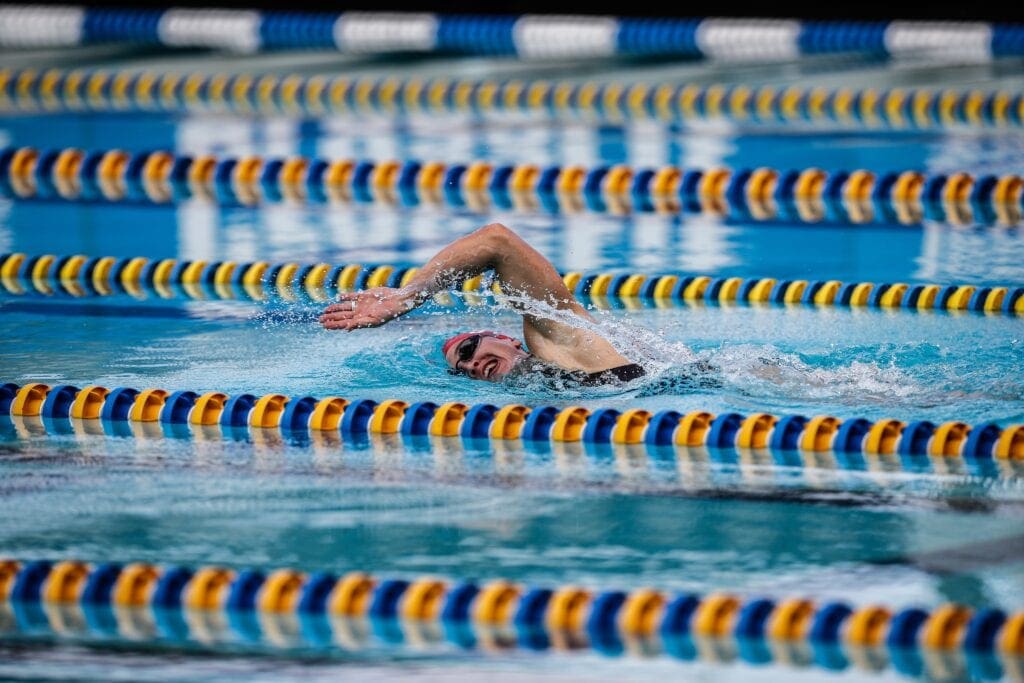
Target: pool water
column 864, row 530
column 864, row 363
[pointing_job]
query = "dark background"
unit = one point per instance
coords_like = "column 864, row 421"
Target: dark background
column 986, row 10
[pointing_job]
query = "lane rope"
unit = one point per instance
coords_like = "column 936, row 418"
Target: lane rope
column 78, row 275
column 125, row 411
column 527, row 36
column 602, row 618
column 809, row 195
column 49, row 90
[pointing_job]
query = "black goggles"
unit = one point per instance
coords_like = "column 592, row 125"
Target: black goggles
column 464, row 353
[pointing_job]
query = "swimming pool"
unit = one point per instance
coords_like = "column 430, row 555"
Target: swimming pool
column 830, row 520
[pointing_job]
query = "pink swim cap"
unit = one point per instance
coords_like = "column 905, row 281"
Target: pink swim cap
column 462, row 336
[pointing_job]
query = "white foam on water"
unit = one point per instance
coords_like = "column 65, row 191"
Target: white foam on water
column 283, row 348
column 762, row 369
column 750, row 370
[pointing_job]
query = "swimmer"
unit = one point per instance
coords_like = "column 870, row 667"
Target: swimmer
column 548, row 348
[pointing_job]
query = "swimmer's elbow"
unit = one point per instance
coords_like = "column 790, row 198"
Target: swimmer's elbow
column 505, row 243
column 496, row 242
column 497, row 233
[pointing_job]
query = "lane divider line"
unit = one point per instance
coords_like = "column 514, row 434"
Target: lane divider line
column 184, row 412
column 809, row 195
column 901, row 108
column 78, row 275
column 600, row 616
column 526, row 36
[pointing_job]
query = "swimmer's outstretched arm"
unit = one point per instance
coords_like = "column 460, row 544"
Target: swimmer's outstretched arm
column 520, row 269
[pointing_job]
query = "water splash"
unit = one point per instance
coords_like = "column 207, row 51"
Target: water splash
column 765, row 370
column 746, row 370
column 696, row 359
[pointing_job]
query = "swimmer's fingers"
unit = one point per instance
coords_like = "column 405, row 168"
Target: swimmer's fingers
column 336, row 310
column 371, row 294
column 347, row 298
column 336, row 322
column 350, row 303
column 337, row 317
column 337, row 313
column 349, row 317
column 350, row 323
column 339, row 309
column 369, row 308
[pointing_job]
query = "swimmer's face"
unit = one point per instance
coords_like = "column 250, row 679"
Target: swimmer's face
column 485, row 355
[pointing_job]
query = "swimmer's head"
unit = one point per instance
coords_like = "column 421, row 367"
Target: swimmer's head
column 483, row 354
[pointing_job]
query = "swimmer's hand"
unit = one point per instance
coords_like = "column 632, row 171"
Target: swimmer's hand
column 369, row 308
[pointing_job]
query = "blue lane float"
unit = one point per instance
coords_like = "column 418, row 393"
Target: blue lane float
column 850, row 443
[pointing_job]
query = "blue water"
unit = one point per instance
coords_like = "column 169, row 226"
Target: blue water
column 849, row 363
column 825, row 526
column 453, row 138
column 587, row 241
